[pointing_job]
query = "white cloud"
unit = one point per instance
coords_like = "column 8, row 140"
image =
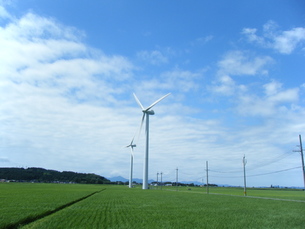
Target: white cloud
column 275, row 93
column 225, row 85
column 39, row 52
column 181, row 80
column 284, row 42
column 4, row 14
column 275, row 101
column 289, row 40
column 57, row 97
column 241, row 63
column 272, row 88
column 238, row 63
column 154, row 57
column 202, row 40
column 178, row 80
column 251, row 34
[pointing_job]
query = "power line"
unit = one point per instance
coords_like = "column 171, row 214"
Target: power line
column 237, row 171
column 276, row 159
column 261, row 174
column 275, row 171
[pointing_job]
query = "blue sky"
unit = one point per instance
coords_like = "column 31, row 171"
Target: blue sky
column 235, row 71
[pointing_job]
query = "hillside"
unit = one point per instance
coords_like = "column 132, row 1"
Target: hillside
column 45, row 175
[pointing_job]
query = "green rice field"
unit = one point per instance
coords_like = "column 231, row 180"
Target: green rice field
column 26, row 205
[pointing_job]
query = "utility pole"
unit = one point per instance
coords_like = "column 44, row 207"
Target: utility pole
column 207, row 170
column 161, row 180
column 177, row 179
column 157, row 179
column 301, row 151
column 302, row 157
column 245, row 185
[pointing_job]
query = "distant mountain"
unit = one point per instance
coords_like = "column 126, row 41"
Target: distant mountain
column 140, row 181
column 122, row 179
column 117, row 178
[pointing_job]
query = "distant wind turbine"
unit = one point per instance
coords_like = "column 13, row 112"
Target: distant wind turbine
column 147, row 112
column 131, row 145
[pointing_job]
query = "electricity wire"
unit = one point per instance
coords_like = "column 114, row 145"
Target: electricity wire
column 279, row 171
column 276, row 159
column 261, row 174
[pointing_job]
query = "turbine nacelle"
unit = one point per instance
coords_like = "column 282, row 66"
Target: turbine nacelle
column 131, row 146
column 150, row 112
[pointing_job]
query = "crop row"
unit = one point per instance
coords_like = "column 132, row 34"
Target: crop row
column 23, row 202
column 120, row 207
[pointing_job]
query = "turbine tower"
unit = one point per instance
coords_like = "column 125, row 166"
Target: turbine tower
column 146, row 113
column 131, row 145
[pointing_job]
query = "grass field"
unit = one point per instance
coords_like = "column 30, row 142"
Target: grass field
column 22, row 202
column 120, row 207
column 289, row 194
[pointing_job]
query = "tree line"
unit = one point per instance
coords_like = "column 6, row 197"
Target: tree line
column 45, row 175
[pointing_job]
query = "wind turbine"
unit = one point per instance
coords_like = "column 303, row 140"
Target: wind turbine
column 146, row 113
column 131, row 145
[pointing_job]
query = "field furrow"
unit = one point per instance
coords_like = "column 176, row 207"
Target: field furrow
column 22, row 203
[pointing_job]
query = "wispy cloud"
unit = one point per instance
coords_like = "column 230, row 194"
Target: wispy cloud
column 238, row 64
column 154, row 57
column 255, row 99
column 243, row 63
column 43, row 54
column 202, row 40
column 275, row 100
column 4, row 14
column 284, row 42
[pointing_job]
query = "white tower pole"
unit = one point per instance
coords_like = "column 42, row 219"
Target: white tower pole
column 245, row 184
column 145, row 172
column 131, row 170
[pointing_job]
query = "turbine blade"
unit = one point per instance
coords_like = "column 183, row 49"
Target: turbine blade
column 132, row 141
column 143, row 117
column 138, row 101
column 157, row 101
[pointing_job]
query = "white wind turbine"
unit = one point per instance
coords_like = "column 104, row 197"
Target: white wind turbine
column 131, row 145
column 147, row 112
